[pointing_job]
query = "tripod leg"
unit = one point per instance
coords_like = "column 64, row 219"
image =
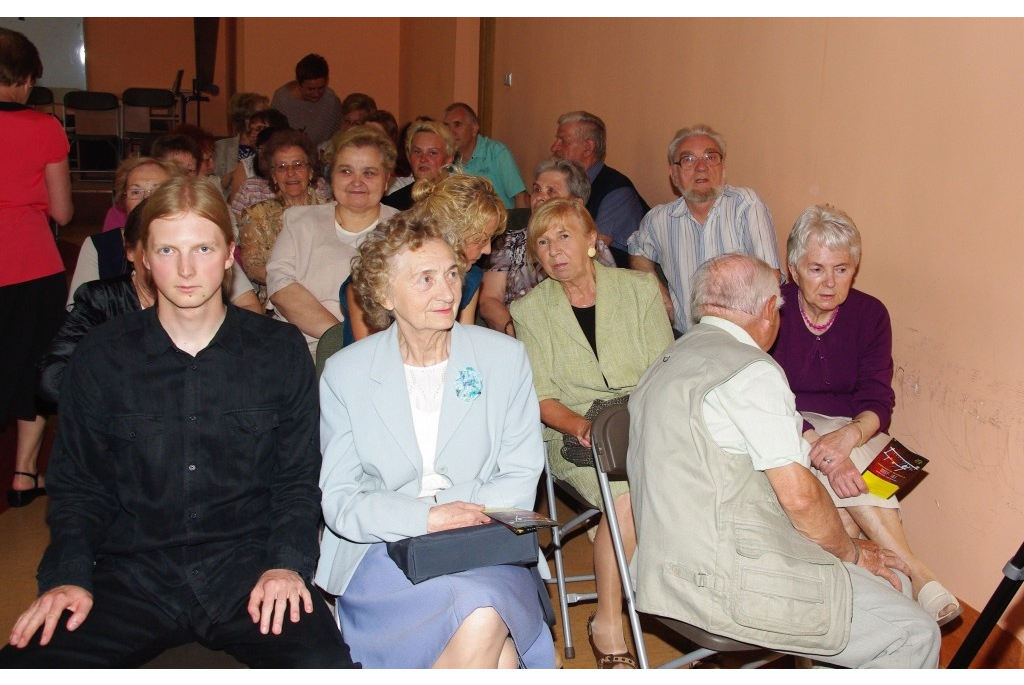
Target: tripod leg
column 1001, row 598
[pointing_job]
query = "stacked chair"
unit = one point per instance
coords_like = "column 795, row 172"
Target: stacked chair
column 92, row 120
column 147, row 113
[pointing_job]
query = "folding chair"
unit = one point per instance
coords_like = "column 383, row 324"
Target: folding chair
column 147, row 113
column 93, row 117
column 41, row 98
column 559, row 536
column 609, row 436
column 330, row 342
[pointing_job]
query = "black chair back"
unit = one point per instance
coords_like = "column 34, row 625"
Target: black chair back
column 91, row 100
column 92, row 120
column 610, row 437
column 39, row 95
column 330, row 342
column 147, row 114
column 148, row 97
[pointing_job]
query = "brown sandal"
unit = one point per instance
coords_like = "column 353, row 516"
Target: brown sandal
column 608, row 660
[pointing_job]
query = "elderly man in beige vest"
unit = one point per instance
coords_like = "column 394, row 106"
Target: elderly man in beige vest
column 735, row 534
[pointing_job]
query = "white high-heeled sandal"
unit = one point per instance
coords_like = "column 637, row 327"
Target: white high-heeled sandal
column 933, row 598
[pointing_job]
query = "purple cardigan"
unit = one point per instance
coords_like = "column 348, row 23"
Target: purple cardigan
column 846, row 370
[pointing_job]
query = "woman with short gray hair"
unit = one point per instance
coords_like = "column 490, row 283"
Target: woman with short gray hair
column 511, row 274
column 835, row 345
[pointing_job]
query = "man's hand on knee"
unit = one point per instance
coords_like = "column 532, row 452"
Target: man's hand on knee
column 278, row 592
column 47, row 610
column 881, row 562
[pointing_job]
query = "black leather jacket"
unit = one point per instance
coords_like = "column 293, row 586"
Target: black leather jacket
column 95, row 302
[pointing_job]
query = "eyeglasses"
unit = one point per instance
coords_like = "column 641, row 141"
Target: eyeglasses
column 690, row 161
column 139, row 193
column 283, row 167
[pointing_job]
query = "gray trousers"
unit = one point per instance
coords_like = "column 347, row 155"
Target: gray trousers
column 889, row 630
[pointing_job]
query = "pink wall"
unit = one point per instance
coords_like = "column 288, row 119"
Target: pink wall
column 146, row 53
column 440, row 58
column 363, row 54
column 410, row 66
column 467, row 60
column 913, row 126
column 428, row 66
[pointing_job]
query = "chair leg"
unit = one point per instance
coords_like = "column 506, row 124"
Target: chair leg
column 556, row 543
column 620, row 558
column 559, row 534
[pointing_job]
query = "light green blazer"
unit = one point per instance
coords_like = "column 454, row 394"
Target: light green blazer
column 632, row 330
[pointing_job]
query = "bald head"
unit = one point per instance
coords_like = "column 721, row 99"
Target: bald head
column 741, row 289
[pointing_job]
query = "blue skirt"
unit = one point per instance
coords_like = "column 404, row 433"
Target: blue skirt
column 390, row 623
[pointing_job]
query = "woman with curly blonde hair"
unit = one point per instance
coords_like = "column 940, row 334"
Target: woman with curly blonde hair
column 461, row 204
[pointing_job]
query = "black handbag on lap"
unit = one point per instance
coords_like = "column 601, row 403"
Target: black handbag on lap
column 572, row 450
column 449, row 551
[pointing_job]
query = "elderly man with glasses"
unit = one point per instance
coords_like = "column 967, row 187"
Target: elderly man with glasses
column 709, row 219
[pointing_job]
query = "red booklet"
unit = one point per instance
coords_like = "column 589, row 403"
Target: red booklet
column 894, row 468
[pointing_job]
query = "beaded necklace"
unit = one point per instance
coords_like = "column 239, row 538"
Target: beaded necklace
column 810, row 324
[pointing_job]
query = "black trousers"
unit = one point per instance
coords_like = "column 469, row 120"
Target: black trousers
column 126, row 629
column 30, row 315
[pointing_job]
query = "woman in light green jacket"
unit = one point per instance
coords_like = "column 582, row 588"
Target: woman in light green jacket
column 590, row 332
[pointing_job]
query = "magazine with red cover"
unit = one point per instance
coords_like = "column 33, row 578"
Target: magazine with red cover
column 894, row 468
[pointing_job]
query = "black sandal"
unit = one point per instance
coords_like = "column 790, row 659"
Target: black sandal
column 21, row 498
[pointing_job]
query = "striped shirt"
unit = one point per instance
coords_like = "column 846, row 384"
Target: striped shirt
column 739, row 221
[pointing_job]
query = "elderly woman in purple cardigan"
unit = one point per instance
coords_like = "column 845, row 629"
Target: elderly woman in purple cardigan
column 835, row 344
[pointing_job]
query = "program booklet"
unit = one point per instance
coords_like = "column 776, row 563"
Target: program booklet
column 520, row 520
column 894, row 468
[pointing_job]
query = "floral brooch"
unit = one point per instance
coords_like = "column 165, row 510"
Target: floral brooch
column 469, row 384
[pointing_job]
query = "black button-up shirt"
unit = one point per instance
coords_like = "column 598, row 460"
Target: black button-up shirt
column 187, row 475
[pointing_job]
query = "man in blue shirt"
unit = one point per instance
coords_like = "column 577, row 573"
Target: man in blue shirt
column 481, row 156
column 709, row 219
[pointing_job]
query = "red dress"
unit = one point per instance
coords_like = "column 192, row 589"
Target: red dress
column 32, row 286
column 29, row 140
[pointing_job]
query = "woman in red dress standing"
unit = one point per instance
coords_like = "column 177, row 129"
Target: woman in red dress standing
column 35, row 186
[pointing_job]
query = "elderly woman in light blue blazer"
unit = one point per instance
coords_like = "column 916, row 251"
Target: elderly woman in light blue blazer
column 422, row 426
